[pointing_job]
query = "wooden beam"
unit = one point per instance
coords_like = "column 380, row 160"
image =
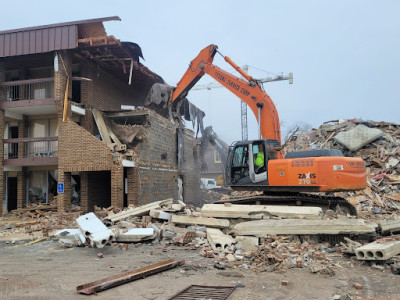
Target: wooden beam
column 113, row 281
column 101, row 125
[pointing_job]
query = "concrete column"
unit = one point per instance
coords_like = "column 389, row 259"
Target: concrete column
column 21, row 188
column 2, row 127
column 117, row 186
column 86, row 204
column 64, row 199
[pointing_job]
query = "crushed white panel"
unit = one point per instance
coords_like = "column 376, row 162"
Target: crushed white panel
column 378, row 250
column 74, row 235
column 358, row 137
column 92, row 228
column 127, row 107
column 78, row 110
column 136, row 235
column 128, row 163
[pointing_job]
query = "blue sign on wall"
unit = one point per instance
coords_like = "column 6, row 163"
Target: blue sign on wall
column 60, row 188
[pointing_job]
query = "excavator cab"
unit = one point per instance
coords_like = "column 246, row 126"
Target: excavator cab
column 248, row 162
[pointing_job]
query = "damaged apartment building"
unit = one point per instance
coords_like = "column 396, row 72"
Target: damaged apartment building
column 77, row 127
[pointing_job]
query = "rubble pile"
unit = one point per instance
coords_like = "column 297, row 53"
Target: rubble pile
column 213, row 232
column 377, row 143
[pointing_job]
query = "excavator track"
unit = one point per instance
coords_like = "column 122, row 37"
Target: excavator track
column 299, row 199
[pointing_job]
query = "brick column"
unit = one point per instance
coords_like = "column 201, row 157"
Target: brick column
column 60, row 83
column 21, row 187
column 64, row 199
column 86, row 204
column 2, row 127
column 22, row 132
column 133, row 186
column 117, row 186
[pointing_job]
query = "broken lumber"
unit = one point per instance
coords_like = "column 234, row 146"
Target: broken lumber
column 138, row 211
column 259, row 211
column 378, row 250
column 191, row 220
column 113, row 281
column 294, row 226
column 101, row 125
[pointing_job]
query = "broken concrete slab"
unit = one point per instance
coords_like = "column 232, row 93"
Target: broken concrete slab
column 160, row 214
column 248, row 243
column 356, row 138
column 74, row 235
column 138, row 211
column 390, row 226
column 136, row 235
column 92, row 228
column 66, row 243
column 217, row 239
column 191, row 220
column 377, row 250
column 260, row 211
column 295, row 226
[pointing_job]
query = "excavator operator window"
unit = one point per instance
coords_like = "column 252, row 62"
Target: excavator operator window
column 259, row 158
column 240, row 164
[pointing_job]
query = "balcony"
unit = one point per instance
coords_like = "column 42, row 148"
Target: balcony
column 29, row 97
column 31, row 151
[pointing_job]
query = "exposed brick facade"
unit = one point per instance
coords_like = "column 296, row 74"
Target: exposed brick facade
column 155, row 174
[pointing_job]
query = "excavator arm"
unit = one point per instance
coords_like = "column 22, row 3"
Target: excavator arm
column 248, row 90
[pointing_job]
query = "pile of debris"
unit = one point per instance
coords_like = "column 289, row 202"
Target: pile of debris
column 377, row 143
column 257, row 237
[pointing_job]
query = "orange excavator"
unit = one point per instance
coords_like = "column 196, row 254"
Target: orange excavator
column 281, row 179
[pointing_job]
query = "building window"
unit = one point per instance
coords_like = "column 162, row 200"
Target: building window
column 217, row 157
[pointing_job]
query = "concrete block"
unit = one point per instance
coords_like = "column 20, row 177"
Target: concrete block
column 217, row 239
column 191, row 220
column 390, row 226
column 136, row 235
column 92, row 228
column 159, row 214
column 74, row 235
column 378, row 250
column 249, row 243
column 358, row 137
column 66, row 243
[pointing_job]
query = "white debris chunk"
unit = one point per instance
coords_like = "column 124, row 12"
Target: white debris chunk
column 92, row 228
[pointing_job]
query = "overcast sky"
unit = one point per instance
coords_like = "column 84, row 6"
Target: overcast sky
column 345, row 55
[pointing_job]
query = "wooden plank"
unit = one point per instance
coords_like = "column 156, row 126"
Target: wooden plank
column 191, row 220
column 101, row 125
column 259, row 211
column 113, row 281
column 138, row 211
column 295, row 226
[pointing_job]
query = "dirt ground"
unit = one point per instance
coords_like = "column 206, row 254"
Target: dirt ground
column 47, row 271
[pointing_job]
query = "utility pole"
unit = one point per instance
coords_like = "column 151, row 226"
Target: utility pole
column 243, row 105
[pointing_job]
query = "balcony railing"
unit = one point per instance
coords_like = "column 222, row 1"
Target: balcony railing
column 30, row 147
column 42, row 88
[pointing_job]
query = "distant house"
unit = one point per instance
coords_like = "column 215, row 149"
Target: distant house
column 212, row 165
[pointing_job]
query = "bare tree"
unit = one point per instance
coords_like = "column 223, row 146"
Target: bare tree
column 294, row 129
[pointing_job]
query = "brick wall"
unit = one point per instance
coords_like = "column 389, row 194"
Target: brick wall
column 155, row 176
column 106, row 92
column 2, row 98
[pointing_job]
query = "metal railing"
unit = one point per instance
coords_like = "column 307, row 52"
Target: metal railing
column 30, row 147
column 42, row 88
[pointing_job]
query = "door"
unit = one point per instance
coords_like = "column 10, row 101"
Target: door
column 240, row 165
column 11, row 193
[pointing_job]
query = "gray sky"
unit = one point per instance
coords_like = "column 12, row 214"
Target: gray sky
column 344, row 54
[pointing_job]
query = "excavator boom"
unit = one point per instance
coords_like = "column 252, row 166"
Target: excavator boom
column 248, row 90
